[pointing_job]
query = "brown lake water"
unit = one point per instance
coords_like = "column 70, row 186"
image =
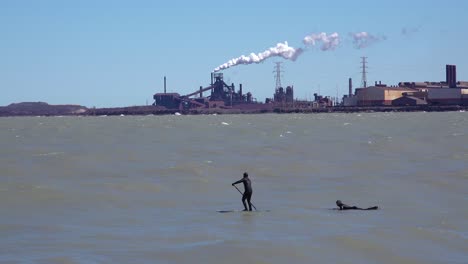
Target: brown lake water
column 146, row 189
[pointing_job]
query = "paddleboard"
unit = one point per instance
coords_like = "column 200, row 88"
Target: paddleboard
column 241, row 211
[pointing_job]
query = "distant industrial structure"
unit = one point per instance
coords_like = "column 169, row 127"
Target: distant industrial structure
column 221, row 95
column 285, row 97
column 281, row 96
column 364, row 72
column 450, row 92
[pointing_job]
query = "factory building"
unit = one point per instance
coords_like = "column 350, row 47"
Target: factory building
column 221, row 95
column 408, row 100
column 449, row 92
column 448, row 96
column 282, row 96
column 380, row 95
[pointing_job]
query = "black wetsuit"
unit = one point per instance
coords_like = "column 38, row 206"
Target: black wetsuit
column 347, row 207
column 247, row 192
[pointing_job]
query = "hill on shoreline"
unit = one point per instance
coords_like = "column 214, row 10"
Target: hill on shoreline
column 40, row 109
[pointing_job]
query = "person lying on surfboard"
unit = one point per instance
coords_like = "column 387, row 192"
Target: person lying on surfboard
column 247, row 191
column 343, row 206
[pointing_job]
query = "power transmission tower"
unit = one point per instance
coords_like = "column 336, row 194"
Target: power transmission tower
column 364, row 72
column 278, row 72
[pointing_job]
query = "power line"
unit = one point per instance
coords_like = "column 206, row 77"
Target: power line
column 364, row 72
column 278, row 72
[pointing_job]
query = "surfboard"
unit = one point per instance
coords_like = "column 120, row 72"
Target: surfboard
column 361, row 209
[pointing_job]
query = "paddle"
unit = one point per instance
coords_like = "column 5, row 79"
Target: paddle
column 243, row 194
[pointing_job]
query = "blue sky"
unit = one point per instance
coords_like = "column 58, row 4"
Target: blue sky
column 115, row 53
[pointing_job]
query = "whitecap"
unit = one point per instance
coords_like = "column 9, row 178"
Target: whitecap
column 345, row 124
column 50, row 154
column 224, row 123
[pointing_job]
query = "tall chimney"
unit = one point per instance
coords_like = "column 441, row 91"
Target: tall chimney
column 447, row 74
column 350, row 92
column 451, row 76
column 164, row 84
column 454, row 76
column 240, row 90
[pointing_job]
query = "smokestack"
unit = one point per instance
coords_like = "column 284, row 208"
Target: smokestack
column 454, row 74
column 240, row 90
column 447, row 74
column 201, row 93
column 451, row 76
column 164, row 84
column 212, row 78
column 350, row 92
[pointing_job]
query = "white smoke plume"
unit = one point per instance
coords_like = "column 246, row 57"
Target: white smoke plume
column 280, row 50
column 329, row 42
column 363, row 39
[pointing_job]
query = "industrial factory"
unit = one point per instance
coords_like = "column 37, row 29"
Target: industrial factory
column 224, row 96
column 450, row 92
column 221, row 95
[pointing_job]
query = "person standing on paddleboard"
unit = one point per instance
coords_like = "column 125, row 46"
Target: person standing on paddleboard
column 247, row 190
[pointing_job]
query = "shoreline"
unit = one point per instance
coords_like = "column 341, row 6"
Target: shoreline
column 61, row 110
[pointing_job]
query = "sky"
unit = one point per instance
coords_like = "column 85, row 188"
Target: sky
column 115, row 53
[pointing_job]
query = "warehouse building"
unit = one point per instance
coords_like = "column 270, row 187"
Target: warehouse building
column 380, row 94
column 449, row 92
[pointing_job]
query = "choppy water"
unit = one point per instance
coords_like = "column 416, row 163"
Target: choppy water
column 146, row 189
